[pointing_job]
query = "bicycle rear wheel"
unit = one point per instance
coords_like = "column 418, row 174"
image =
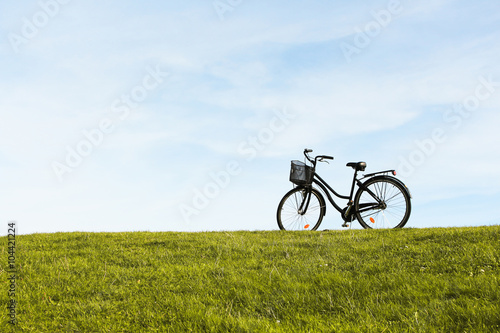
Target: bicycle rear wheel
column 289, row 216
column 384, row 203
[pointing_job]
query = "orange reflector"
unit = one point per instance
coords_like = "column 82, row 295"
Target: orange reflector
column 306, row 226
column 372, row 220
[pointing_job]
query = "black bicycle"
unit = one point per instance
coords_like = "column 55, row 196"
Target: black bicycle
column 381, row 201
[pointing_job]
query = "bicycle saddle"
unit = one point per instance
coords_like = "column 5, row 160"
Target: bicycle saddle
column 358, row 166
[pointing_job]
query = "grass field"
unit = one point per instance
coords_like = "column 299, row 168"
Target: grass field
column 408, row 280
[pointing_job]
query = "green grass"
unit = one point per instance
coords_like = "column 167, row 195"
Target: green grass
column 408, row 280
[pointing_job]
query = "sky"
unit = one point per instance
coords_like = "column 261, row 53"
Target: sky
column 184, row 115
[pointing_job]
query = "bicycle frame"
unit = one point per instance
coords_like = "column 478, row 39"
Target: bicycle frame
column 327, row 189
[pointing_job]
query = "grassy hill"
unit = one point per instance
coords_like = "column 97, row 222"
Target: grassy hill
column 408, row 280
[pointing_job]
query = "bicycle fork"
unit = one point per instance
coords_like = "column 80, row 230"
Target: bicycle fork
column 306, row 198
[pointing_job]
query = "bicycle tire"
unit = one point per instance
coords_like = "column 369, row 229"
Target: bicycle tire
column 288, row 215
column 394, row 208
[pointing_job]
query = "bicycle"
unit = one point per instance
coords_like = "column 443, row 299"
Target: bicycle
column 381, row 201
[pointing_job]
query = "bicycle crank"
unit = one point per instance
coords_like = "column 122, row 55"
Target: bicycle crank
column 348, row 215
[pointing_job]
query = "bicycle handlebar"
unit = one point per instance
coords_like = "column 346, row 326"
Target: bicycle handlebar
column 306, row 152
column 317, row 158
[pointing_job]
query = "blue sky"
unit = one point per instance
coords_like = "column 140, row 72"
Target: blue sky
column 184, row 116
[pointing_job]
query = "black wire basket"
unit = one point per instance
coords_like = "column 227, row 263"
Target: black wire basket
column 301, row 174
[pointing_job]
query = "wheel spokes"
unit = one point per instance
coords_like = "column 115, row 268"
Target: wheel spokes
column 391, row 210
column 293, row 219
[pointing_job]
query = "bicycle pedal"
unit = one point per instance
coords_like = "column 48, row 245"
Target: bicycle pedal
column 345, row 225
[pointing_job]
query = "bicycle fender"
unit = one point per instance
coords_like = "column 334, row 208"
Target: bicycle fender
column 402, row 184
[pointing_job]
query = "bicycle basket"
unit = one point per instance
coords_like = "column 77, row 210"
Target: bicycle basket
column 301, row 174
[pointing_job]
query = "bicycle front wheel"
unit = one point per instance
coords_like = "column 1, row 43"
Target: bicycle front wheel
column 383, row 203
column 312, row 204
